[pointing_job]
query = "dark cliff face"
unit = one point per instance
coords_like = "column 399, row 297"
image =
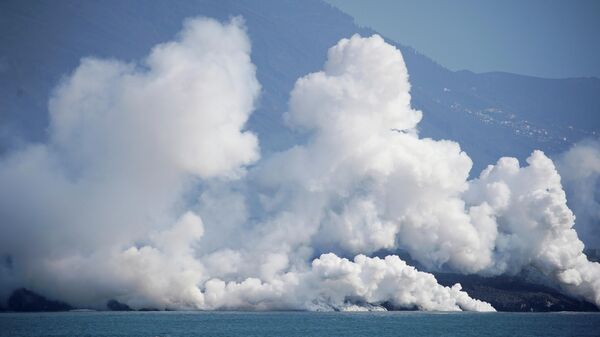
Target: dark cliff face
column 23, row 300
column 509, row 293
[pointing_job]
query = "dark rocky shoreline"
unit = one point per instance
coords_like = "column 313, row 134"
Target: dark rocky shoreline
column 513, row 294
column 505, row 293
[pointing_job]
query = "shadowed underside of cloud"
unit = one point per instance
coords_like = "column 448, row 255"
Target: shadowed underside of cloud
column 150, row 191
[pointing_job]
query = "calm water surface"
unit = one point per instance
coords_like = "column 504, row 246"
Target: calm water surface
column 181, row 324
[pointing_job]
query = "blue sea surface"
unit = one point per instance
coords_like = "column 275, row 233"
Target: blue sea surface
column 181, row 324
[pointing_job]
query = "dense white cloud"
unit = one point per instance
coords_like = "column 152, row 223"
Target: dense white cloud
column 143, row 192
column 579, row 168
column 334, row 283
column 534, row 224
column 87, row 216
column 365, row 181
column 126, row 143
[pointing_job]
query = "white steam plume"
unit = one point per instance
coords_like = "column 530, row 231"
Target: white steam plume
column 337, row 283
column 86, row 217
column 579, row 168
column 126, row 142
column 534, row 225
column 130, row 144
column 365, row 181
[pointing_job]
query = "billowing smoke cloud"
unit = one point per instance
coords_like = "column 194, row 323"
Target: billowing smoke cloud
column 126, row 142
column 534, row 225
column 144, row 194
column 580, row 171
column 337, row 283
column 365, row 181
column 87, row 216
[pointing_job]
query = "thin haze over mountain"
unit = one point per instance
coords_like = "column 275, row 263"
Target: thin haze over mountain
column 550, row 39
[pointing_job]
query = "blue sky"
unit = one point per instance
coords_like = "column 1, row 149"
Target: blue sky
column 549, row 38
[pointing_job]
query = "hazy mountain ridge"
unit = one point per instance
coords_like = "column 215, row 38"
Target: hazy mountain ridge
column 46, row 41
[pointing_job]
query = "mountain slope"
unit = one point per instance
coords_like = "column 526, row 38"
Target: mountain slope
column 491, row 115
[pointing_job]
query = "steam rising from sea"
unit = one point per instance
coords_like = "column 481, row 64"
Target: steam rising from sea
column 150, row 191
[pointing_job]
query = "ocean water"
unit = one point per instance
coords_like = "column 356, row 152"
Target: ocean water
column 247, row 324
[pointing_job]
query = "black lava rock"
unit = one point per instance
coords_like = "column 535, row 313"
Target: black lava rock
column 115, row 305
column 24, row 300
column 510, row 293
